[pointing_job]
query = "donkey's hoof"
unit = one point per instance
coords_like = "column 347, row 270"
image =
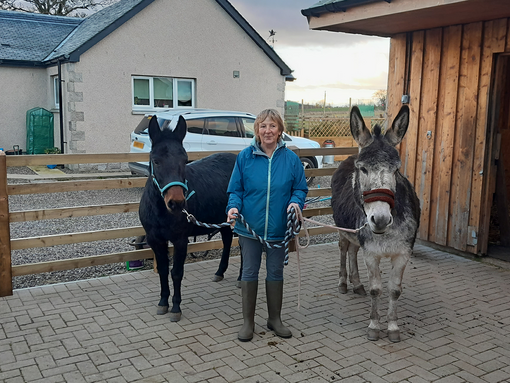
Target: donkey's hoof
column 162, row 310
column 175, row 317
column 342, row 288
column 217, row 278
column 394, row 336
column 238, row 284
column 373, row 334
column 360, row 290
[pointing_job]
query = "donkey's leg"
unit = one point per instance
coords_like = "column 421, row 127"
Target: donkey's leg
column 180, row 251
column 343, row 244
column 226, row 237
column 353, row 269
column 161, row 252
column 374, row 278
column 398, row 264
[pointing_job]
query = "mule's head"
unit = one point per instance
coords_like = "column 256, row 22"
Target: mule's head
column 377, row 167
column 168, row 160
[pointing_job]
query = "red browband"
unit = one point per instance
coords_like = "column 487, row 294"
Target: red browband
column 384, row 195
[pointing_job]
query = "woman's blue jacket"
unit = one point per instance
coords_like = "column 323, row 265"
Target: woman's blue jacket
column 261, row 188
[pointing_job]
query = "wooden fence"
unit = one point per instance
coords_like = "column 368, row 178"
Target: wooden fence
column 8, row 271
column 316, row 126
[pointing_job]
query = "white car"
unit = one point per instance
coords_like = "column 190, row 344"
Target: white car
column 211, row 130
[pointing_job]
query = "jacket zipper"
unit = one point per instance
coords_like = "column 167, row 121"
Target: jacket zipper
column 268, row 193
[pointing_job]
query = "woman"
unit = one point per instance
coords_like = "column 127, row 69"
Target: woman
column 266, row 179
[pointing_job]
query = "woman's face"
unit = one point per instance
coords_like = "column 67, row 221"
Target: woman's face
column 268, row 132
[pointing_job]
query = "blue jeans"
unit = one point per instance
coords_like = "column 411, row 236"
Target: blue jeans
column 251, row 253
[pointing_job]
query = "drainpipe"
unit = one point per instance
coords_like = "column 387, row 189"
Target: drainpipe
column 60, row 106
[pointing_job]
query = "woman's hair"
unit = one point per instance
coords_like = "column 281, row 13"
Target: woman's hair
column 274, row 115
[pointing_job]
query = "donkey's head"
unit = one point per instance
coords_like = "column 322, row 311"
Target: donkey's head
column 168, row 161
column 377, row 166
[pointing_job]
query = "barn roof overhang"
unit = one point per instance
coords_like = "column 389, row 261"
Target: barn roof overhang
column 389, row 17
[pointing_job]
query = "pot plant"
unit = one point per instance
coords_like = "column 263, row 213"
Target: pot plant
column 53, row 150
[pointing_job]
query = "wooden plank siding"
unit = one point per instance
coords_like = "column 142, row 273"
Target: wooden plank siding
column 444, row 153
column 427, row 124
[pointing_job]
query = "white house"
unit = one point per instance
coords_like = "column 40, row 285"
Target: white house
column 129, row 59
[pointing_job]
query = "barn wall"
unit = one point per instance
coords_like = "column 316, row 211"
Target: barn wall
column 447, row 74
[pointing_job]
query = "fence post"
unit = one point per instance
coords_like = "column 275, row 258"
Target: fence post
column 5, row 232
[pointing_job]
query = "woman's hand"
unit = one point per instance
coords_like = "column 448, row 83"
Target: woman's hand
column 232, row 215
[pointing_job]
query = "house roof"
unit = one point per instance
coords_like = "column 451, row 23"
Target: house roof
column 30, row 39
column 389, row 17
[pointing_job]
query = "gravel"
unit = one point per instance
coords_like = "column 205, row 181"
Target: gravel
column 100, row 222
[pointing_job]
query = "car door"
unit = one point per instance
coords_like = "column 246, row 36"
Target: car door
column 194, row 136
column 222, row 134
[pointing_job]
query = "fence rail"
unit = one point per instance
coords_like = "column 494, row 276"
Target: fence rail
column 8, row 271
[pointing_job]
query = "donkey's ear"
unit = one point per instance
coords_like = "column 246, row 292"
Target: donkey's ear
column 154, row 129
column 398, row 129
column 358, row 128
column 180, row 129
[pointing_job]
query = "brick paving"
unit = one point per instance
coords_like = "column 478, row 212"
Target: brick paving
column 454, row 316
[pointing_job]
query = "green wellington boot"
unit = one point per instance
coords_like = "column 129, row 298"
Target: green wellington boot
column 274, row 295
column 249, row 296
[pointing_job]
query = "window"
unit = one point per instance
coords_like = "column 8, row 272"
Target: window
column 162, row 92
column 249, row 127
column 196, row 125
column 222, row 126
column 56, row 99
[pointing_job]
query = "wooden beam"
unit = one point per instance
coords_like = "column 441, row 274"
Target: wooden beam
column 67, row 186
column 5, row 236
column 66, row 239
column 68, row 212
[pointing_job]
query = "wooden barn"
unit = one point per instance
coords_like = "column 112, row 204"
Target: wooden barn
column 450, row 61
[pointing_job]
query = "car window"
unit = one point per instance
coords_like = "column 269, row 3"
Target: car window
column 222, row 126
column 249, row 127
column 144, row 124
column 196, row 125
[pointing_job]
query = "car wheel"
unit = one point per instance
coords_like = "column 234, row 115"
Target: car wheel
column 308, row 164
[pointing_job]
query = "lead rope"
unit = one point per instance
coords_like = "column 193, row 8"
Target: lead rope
column 294, row 219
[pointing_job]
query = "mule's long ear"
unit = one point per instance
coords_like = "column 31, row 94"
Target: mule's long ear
column 180, row 129
column 398, row 129
column 358, row 128
column 154, row 129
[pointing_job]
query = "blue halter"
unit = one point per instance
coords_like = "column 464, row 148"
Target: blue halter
column 169, row 185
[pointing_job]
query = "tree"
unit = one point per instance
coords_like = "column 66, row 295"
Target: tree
column 78, row 8
column 380, row 98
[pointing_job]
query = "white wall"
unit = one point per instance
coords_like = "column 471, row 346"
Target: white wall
column 190, row 39
column 22, row 89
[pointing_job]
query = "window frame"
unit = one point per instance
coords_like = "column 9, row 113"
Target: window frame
column 56, row 98
column 175, row 93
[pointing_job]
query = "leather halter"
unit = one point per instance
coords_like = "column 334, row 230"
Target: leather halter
column 384, row 195
column 169, row 185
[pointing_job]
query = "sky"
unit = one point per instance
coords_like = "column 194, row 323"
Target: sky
column 331, row 65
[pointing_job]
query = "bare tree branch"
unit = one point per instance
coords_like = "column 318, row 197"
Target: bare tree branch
column 78, row 8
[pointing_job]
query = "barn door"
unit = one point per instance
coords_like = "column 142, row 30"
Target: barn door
column 495, row 223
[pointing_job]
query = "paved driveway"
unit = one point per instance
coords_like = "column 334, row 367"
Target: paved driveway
column 454, row 316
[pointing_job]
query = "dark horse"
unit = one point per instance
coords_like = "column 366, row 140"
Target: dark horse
column 368, row 188
column 200, row 187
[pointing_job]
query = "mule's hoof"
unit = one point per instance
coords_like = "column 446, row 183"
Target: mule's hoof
column 175, row 317
column 342, row 288
column 394, row 336
column 238, row 284
column 162, row 310
column 360, row 290
column 373, row 334
column 217, row 278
